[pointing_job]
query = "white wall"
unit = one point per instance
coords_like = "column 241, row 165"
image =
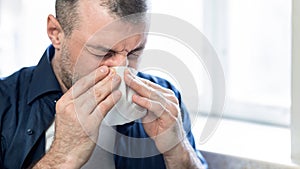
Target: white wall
column 295, row 121
column 23, row 35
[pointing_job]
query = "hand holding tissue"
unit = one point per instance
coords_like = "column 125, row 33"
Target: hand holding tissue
column 124, row 111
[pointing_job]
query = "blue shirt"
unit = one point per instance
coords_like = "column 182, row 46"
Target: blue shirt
column 27, row 109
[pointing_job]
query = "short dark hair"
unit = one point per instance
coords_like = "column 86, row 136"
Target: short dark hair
column 122, row 8
column 67, row 13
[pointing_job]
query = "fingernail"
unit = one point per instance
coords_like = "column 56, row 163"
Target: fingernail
column 118, row 93
column 103, row 69
column 128, row 75
column 116, row 78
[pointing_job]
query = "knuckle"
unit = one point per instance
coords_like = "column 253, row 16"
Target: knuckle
column 175, row 108
column 99, row 113
column 174, row 99
column 172, row 108
column 156, row 95
column 169, row 91
column 148, row 104
column 103, row 107
column 98, row 94
column 161, row 106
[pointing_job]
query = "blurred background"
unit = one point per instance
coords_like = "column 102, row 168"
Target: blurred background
column 252, row 39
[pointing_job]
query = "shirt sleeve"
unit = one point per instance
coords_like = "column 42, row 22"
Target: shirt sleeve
column 187, row 127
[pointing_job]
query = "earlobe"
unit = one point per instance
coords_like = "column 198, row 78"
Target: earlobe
column 55, row 32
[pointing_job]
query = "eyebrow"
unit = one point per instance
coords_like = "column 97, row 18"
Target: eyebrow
column 139, row 48
column 99, row 47
column 107, row 50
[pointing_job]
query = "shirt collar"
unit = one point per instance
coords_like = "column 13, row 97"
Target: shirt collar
column 43, row 78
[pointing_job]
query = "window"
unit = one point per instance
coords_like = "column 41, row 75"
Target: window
column 256, row 54
column 253, row 41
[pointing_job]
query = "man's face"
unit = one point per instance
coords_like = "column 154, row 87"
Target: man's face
column 100, row 40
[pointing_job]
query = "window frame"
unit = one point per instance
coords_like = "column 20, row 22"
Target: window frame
column 216, row 14
column 295, row 109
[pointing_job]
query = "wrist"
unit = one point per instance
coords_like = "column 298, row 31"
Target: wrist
column 61, row 155
column 55, row 160
column 76, row 155
column 182, row 156
column 72, row 162
column 179, row 153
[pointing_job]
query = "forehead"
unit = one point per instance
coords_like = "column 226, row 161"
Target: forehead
column 96, row 22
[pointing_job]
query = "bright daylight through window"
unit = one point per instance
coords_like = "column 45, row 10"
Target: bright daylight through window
column 253, row 42
column 252, row 39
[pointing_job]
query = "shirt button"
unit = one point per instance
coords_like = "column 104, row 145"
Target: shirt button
column 29, row 131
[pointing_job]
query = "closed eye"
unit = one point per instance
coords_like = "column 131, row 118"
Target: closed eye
column 102, row 54
column 136, row 53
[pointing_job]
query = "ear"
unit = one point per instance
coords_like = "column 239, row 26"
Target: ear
column 54, row 31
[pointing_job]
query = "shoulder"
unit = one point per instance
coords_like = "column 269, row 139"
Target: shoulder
column 7, row 84
column 10, row 86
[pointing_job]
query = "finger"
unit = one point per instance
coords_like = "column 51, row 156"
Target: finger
column 102, row 108
column 158, row 109
column 167, row 93
column 166, row 107
column 147, row 91
column 172, row 98
column 156, row 86
column 138, row 86
column 149, row 117
column 149, row 83
column 103, row 88
column 87, row 102
column 86, row 82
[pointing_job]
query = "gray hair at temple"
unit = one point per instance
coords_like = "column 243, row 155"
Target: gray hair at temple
column 67, row 13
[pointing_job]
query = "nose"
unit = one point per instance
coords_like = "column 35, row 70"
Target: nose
column 118, row 59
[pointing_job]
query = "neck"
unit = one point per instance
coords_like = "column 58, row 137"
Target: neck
column 56, row 68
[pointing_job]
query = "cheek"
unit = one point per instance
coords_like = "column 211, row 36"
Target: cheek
column 85, row 64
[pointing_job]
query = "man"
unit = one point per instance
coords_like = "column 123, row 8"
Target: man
column 74, row 87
